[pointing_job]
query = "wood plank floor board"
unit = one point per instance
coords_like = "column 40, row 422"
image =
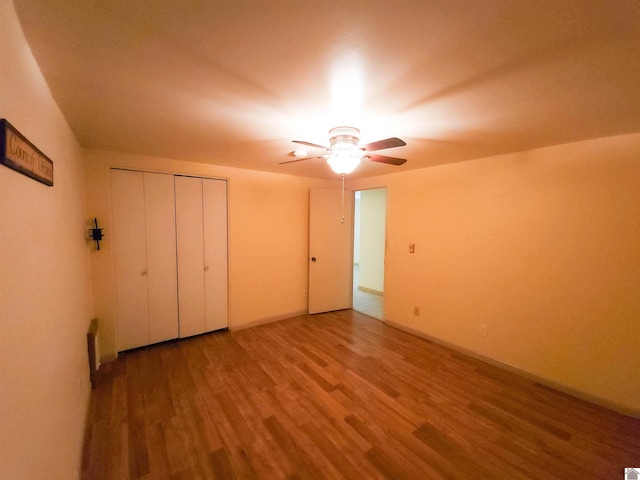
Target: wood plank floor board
column 331, row 421
column 314, row 356
column 548, row 445
column 477, row 443
column 221, row 465
column 302, row 462
column 234, row 451
column 345, row 466
column 397, row 467
column 360, row 396
column 252, row 440
column 409, row 450
column 381, row 414
column 339, row 395
column 118, row 455
column 534, row 460
column 171, row 447
column 244, row 398
column 459, row 453
column 157, row 448
column 311, row 454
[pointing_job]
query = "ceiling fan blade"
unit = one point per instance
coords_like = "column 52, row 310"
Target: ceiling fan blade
column 384, row 159
column 382, row 144
column 308, row 144
column 298, row 160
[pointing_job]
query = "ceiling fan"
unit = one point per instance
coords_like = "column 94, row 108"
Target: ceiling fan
column 344, row 154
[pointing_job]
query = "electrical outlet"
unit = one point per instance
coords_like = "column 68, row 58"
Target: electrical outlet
column 416, row 311
column 483, row 330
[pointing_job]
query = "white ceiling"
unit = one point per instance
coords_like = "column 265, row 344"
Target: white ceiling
column 232, row 82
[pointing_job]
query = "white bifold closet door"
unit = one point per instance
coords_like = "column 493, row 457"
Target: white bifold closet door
column 214, row 217
column 201, row 229
column 145, row 258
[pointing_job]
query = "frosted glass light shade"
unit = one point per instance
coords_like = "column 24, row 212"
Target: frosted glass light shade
column 345, row 158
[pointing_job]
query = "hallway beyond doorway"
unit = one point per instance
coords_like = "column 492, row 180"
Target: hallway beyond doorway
column 365, row 302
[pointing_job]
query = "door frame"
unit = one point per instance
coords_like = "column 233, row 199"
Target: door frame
column 386, row 210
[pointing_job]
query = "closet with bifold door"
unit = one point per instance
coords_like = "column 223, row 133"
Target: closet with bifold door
column 170, row 256
column 201, row 227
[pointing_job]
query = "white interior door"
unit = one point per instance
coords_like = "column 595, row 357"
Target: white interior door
column 330, row 241
column 132, row 321
column 161, row 256
column 215, row 253
column 190, row 247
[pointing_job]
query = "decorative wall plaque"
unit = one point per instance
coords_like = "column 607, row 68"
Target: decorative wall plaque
column 19, row 154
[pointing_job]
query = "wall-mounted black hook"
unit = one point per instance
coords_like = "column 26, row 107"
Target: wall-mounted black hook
column 95, row 234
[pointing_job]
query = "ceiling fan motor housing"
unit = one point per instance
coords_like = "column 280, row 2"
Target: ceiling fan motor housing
column 344, row 136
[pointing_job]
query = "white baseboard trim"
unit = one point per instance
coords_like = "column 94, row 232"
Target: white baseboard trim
column 370, row 290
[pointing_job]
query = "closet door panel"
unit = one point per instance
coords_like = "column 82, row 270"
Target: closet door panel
column 190, row 255
column 215, row 253
column 127, row 194
column 161, row 256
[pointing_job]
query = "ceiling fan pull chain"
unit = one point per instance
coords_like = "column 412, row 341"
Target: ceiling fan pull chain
column 342, row 220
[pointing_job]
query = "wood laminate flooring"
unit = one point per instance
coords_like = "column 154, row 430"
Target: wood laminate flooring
column 339, row 395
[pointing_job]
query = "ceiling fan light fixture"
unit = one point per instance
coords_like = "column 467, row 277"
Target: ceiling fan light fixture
column 345, row 154
column 344, row 161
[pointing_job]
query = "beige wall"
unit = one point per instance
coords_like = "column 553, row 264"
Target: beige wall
column 268, row 238
column 45, row 300
column 542, row 247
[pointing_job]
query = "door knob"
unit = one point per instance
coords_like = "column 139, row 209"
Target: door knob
column 206, row 269
column 313, row 259
column 144, row 273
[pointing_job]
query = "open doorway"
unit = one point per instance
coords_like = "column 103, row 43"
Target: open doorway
column 370, row 212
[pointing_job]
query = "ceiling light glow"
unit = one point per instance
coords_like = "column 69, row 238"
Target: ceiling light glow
column 345, row 154
column 344, row 162
column 347, row 87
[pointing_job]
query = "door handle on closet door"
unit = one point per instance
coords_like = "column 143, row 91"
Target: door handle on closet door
column 206, row 268
column 144, row 273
